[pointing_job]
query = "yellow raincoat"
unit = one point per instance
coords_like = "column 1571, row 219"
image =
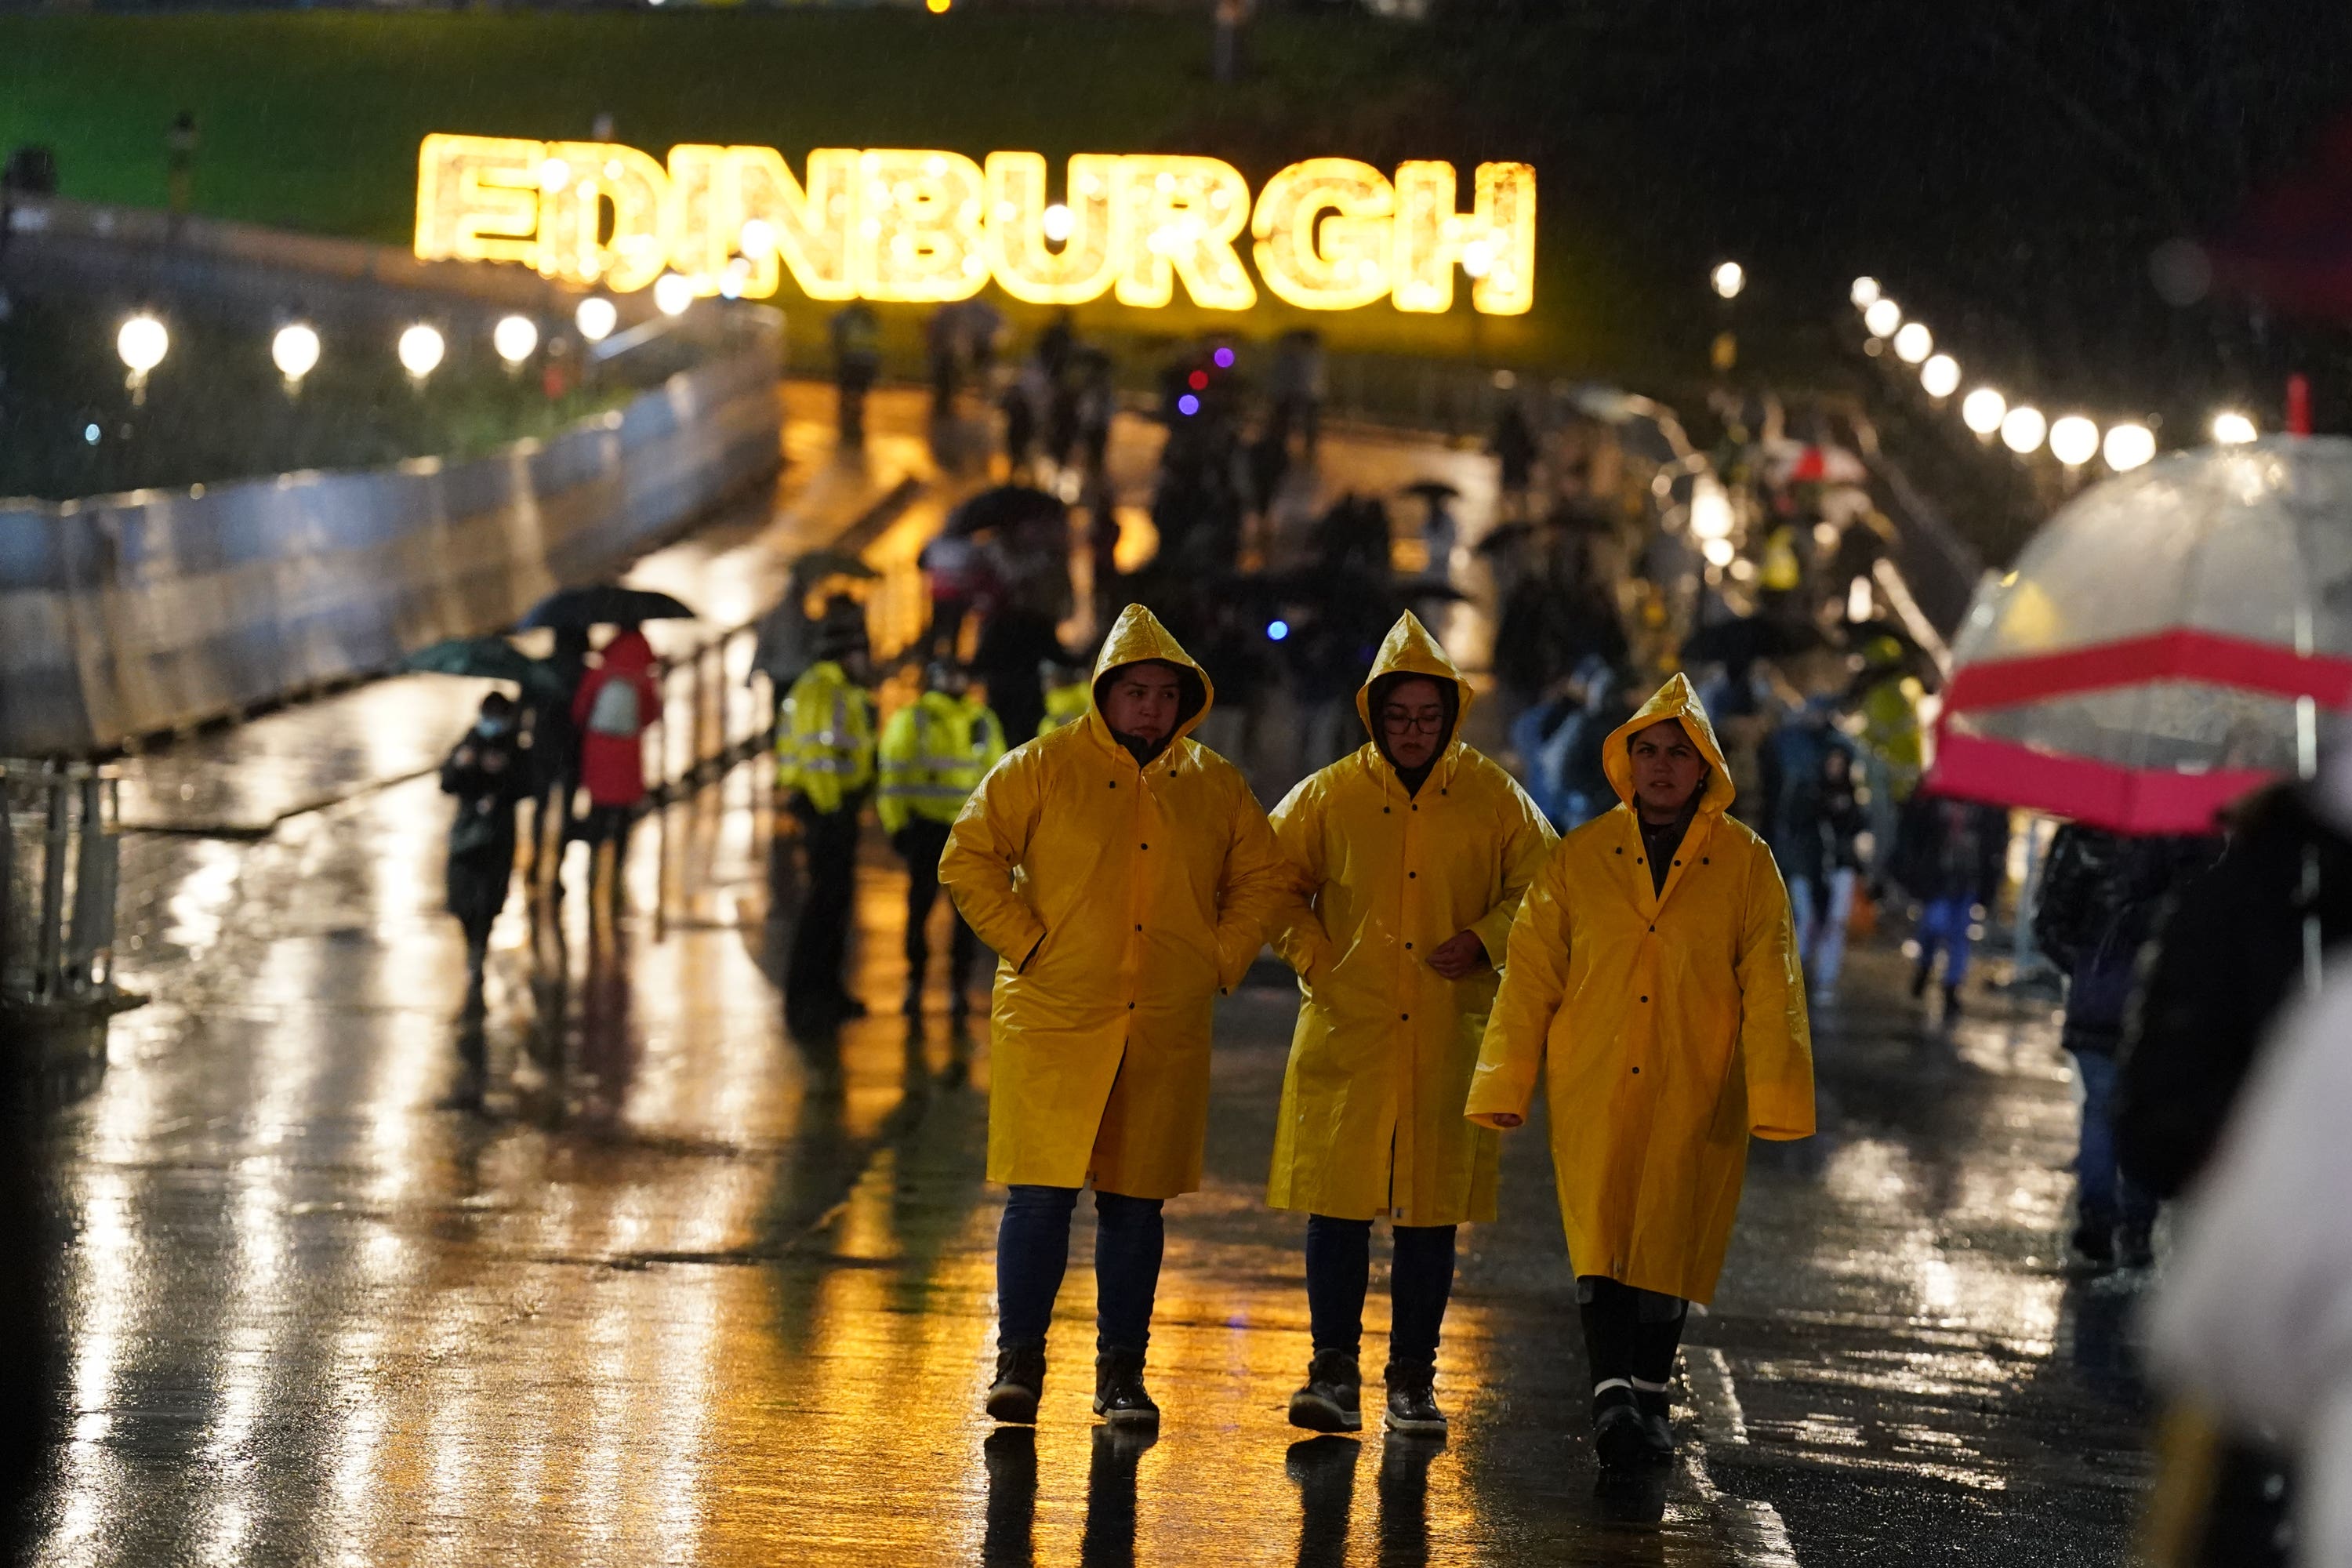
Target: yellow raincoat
column 1381, row 1062
column 1122, row 899
column 1065, row 705
column 1672, row 1027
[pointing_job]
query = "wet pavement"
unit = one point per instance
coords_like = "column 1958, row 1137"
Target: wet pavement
column 673, row 1288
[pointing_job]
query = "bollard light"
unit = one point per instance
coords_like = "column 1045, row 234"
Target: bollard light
column 596, row 318
column 1728, row 279
column 673, row 292
column 2129, row 446
column 516, row 338
column 2021, row 429
column 1882, row 316
column 1940, row 376
column 142, row 343
column 2073, row 440
column 421, row 349
column 1914, row 343
column 295, row 351
column 1982, row 410
column 1864, row 292
column 2232, row 428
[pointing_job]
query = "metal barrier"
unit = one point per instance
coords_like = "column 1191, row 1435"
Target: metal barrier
column 59, row 849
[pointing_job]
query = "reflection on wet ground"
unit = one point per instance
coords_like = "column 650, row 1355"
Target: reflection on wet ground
column 623, row 1274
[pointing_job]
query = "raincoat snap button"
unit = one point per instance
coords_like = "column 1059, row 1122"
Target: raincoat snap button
column 1138, row 928
column 1113, row 783
column 1408, row 876
column 1147, row 846
column 1646, row 998
column 1406, row 1017
column 1408, row 947
column 1677, row 862
column 1416, row 806
column 1384, row 811
column 1637, row 1072
column 1131, row 1007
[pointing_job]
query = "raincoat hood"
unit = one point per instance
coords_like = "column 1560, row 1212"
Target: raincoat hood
column 629, row 651
column 1138, row 635
column 1409, row 649
column 1675, row 699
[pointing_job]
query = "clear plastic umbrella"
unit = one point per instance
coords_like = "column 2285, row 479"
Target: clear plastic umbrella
column 2170, row 639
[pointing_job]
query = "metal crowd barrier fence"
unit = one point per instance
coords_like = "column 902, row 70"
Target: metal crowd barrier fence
column 60, row 848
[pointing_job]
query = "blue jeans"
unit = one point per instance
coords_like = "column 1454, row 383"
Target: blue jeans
column 1032, row 1251
column 1420, row 1280
column 2103, row 1194
column 1944, row 922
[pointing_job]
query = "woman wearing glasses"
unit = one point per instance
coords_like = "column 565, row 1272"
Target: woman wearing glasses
column 1411, row 855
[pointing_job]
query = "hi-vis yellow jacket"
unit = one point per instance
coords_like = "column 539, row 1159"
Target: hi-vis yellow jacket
column 1122, row 899
column 935, row 751
column 1371, row 1105
column 1671, row 1026
column 825, row 747
column 1065, row 705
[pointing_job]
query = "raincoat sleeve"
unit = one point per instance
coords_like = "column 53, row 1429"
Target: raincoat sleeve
column 1776, row 1046
column 1534, row 979
column 1529, row 839
column 1257, row 885
column 1298, row 935
column 990, row 838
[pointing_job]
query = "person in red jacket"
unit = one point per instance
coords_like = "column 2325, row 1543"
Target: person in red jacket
column 615, row 703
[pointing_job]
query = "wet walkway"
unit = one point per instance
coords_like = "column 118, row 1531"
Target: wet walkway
column 679, row 1290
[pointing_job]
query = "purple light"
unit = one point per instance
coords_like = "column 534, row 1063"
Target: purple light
column 1224, row 359
column 1188, row 406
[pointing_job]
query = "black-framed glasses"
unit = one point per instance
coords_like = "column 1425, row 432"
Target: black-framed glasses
column 1423, row 723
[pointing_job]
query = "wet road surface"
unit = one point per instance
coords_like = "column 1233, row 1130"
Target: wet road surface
column 673, row 1288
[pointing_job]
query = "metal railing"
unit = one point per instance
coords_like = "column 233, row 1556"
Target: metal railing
column 59, row 859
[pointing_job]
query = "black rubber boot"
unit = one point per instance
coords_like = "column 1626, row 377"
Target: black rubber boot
column 2093, row 1241
column 1617, row 1434
column 1020, row 1384
column 1951, row 1003
column 1333, row 1398
column 1412, row 1402
column 2135, row 1247
column 1120, row 1396
column 1657, row 1422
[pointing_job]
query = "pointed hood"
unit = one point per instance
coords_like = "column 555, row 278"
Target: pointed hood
column 629, row 651
column 1409, row 649
column 1138, row 635
column 1675, row 699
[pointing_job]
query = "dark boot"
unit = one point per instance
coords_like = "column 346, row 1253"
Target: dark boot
column 1119, row 1398
column 1657, row 1422
column 1020, row 1384
column 2094, row 1241
column 1951, row 1003
column 1919, row 978
column 1333, row 1400
column 1412, row 1402
column 1617, row 1434
column 2136, row 1246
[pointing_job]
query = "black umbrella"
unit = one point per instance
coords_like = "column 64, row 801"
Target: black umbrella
column 488, row 658
column 1430, row 491
column 602, row 605
column 1006, row 506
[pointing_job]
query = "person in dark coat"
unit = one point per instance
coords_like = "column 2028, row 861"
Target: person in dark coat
column 2240, row 943
column 489, row 772
column 1513, row 446
column 555, row 756
column 2102, row 897
column 1013, row 641
column 1947, row 856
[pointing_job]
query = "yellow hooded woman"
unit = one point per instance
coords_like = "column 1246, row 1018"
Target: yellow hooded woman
column 1651, row 973
column 1126, row 875
column 1411, row 856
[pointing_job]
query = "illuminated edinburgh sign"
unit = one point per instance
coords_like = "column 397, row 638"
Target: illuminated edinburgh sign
column 1329, row 234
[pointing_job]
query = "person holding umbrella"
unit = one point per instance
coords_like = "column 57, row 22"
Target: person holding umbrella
column 615, row 703
column 1411, row 856
column 1651, row 973
column 935, row 751
column 825, row 763
column 1127, row 876
column 489, row 772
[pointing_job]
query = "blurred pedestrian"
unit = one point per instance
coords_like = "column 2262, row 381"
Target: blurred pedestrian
column 933, row 755
column 1014, row 642
column 1514, row 447
column 1653, row 959
column 1818, row 848
column 555, row 758
column 2254, row 1318
column 1070, row 693
column 1411, row 858
column 2102, row 895
column 956, row 575
column 825, row 762
column 1294, row 390
column 1946, row 856
column 489, row 772
column 1126, row 875
column 616, row 702
column 857, row 363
